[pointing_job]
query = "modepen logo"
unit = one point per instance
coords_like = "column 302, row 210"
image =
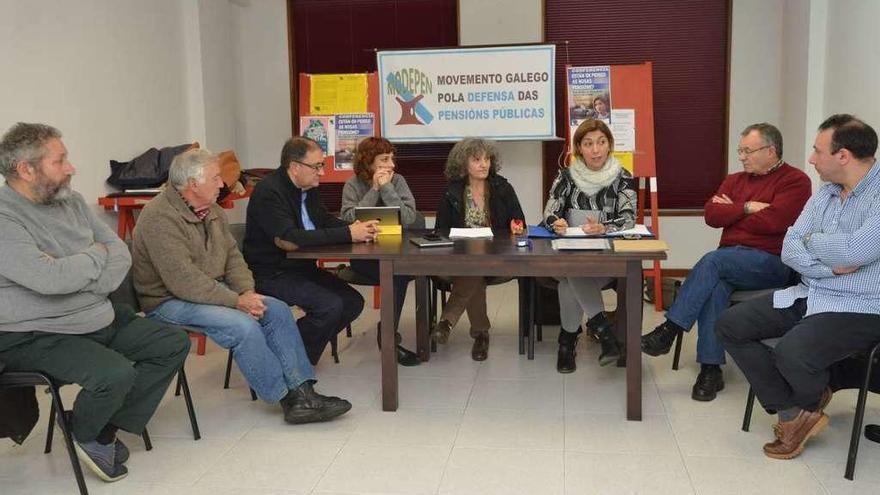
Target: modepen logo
column 409, row 86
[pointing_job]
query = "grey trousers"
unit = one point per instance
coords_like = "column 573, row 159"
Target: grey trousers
column 579, row 296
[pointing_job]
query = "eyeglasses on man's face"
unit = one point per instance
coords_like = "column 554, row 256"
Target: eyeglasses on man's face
column 747, row 151
column 317, row 167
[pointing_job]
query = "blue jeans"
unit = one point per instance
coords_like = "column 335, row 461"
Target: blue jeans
column 269, row 352
column 706, row 291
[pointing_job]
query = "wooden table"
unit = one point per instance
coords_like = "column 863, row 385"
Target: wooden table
column 495, row 257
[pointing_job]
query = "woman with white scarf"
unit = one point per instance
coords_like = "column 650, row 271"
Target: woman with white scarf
column 596, row 182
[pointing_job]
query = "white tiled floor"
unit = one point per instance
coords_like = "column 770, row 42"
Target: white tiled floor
column 506, row 426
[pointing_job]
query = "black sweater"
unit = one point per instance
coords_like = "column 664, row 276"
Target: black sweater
column 503, row 205
column 274, row 211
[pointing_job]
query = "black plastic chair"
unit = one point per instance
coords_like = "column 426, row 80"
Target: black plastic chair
column 11, row 379
column 125, row 294
column 735, row 298
column 865, row 360
column 148, row 444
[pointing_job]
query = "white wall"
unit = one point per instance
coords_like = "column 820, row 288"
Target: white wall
column 481, row 24
column 263, row 121
column 853, row 60
column 109, row 74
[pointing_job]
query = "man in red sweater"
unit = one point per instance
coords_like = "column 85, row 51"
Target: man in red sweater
column 754, row 208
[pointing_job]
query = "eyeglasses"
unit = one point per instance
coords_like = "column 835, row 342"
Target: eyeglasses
column 746, row 151
column 317, row 167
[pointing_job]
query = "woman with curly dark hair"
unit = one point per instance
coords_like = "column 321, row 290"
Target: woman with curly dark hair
column 475, row 197
column 376, row 184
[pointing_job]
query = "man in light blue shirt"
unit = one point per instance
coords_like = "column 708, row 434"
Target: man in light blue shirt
column 835, row 310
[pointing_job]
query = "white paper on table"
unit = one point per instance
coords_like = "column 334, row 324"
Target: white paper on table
column 476, row 233
column 575, row 232
column 639, row 229
column 623, row 128
column 592, row 244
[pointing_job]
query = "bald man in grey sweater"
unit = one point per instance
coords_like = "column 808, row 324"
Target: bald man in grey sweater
column 58, row 264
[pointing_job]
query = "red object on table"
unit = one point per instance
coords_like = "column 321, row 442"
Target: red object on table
column 125, row 206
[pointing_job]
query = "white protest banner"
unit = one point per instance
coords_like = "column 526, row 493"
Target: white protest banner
column 504, row 93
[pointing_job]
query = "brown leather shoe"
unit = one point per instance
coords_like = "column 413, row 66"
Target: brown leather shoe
column 824, row 399
column 791, row 436
column 480, row 350
column 441, row 331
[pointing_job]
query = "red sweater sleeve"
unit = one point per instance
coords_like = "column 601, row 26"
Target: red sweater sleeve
column 722, row 215
column 792, row 192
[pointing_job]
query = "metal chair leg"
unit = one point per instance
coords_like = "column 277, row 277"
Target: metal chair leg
column 58, row 408
column 148, row 445
column 859, row 417
column 348, row 331
column 677, row 355
column 253, row 395
column 177, row 386
column 50, row 429
column 228, row 370
column 190, row 409
column 750, row 404
column 334, row 349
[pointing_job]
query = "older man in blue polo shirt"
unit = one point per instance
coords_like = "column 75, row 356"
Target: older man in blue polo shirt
column 835, row 311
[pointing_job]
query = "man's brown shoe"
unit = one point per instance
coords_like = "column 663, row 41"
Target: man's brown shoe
column 791, row 436
column 824, row 399
column 480, row 350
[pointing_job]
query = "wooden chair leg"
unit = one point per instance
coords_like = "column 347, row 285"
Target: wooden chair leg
column 859, row 417
column 539, row 327
column 676, row 356
column 533, row 293
column 377, row 297
column 201, row 342
column 750, row 404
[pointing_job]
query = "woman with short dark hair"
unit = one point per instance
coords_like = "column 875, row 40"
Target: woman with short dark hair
column 376, row 184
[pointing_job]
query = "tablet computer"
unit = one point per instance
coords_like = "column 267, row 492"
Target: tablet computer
column 386, row 215
column 576, row 218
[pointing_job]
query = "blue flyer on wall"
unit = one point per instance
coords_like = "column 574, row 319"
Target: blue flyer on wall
column 351, row 128
column 589, row 94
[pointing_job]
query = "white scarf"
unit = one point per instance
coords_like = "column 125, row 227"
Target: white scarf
column 592, row 181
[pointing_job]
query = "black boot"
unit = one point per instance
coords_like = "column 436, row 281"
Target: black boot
column 710, row 381
column 405, row 357
column 304, row 405
column 658, row 341
column 565, row 362
column 610, row 348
